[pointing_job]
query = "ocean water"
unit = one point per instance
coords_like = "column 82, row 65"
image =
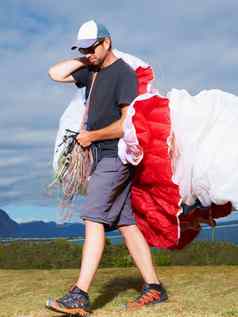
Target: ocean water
column 220, row 233
column 227, row 233
column 115, row 239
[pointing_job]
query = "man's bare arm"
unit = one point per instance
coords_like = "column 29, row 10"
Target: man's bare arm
column 112, row 131
column 62, row 71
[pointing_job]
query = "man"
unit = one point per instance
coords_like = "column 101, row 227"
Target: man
column 110, row 87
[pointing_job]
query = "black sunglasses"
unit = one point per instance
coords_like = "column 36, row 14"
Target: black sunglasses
column 91, row 49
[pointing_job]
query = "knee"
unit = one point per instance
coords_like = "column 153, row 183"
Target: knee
column 126, row 230
column 93, row 227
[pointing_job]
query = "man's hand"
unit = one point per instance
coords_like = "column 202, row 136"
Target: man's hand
column 84, row 138
column 112, row 131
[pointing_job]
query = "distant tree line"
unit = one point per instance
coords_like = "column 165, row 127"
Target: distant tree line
column 62, row 254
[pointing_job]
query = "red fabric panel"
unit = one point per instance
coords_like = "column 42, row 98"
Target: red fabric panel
column 155, row 198
column 144, row 76
column 191, row 224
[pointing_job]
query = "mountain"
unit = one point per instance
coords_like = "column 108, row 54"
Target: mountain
column 40, row 229
column 37, row 229
column 7, row 225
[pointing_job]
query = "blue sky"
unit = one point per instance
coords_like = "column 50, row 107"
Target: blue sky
column 191, row 45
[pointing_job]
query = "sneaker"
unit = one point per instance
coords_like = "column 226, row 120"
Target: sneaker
column 75, row 302
column 151, row 294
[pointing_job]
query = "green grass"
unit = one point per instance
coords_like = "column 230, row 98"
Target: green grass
column 193, row 291
column 62, row 254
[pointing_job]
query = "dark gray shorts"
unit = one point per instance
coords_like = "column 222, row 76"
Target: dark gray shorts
column 108, row 196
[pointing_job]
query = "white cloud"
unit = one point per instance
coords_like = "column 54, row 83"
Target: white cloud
column 27, row 136
column 12, row 161
column 8, row 181
column 191, row 45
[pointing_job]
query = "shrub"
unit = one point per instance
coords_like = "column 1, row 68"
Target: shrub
column 61, row 254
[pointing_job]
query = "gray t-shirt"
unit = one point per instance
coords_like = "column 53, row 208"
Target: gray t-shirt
column 114, row 86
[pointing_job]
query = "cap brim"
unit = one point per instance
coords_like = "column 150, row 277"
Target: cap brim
column 83, row 44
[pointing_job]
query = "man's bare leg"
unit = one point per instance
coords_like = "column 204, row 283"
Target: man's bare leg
column 140, row 252
column 92, row 253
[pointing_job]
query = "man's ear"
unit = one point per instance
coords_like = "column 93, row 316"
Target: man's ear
column 107, row 43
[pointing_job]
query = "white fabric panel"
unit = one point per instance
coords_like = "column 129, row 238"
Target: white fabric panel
column 131, row 60
column 71, row 119
column 206, row 130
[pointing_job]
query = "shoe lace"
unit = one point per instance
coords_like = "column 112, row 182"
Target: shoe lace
column 66, row 297
column 71, row 295
column 148, row 296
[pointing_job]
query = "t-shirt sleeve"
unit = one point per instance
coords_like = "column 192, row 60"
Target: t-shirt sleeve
column 81, row 77
column 127, row 87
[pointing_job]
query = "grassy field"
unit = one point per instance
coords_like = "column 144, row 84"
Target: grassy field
column 193, row 291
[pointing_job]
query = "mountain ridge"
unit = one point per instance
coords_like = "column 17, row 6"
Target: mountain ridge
column 37, row 229
column 41, row 229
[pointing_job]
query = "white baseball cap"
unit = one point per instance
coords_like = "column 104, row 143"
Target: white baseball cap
column 89, row 33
